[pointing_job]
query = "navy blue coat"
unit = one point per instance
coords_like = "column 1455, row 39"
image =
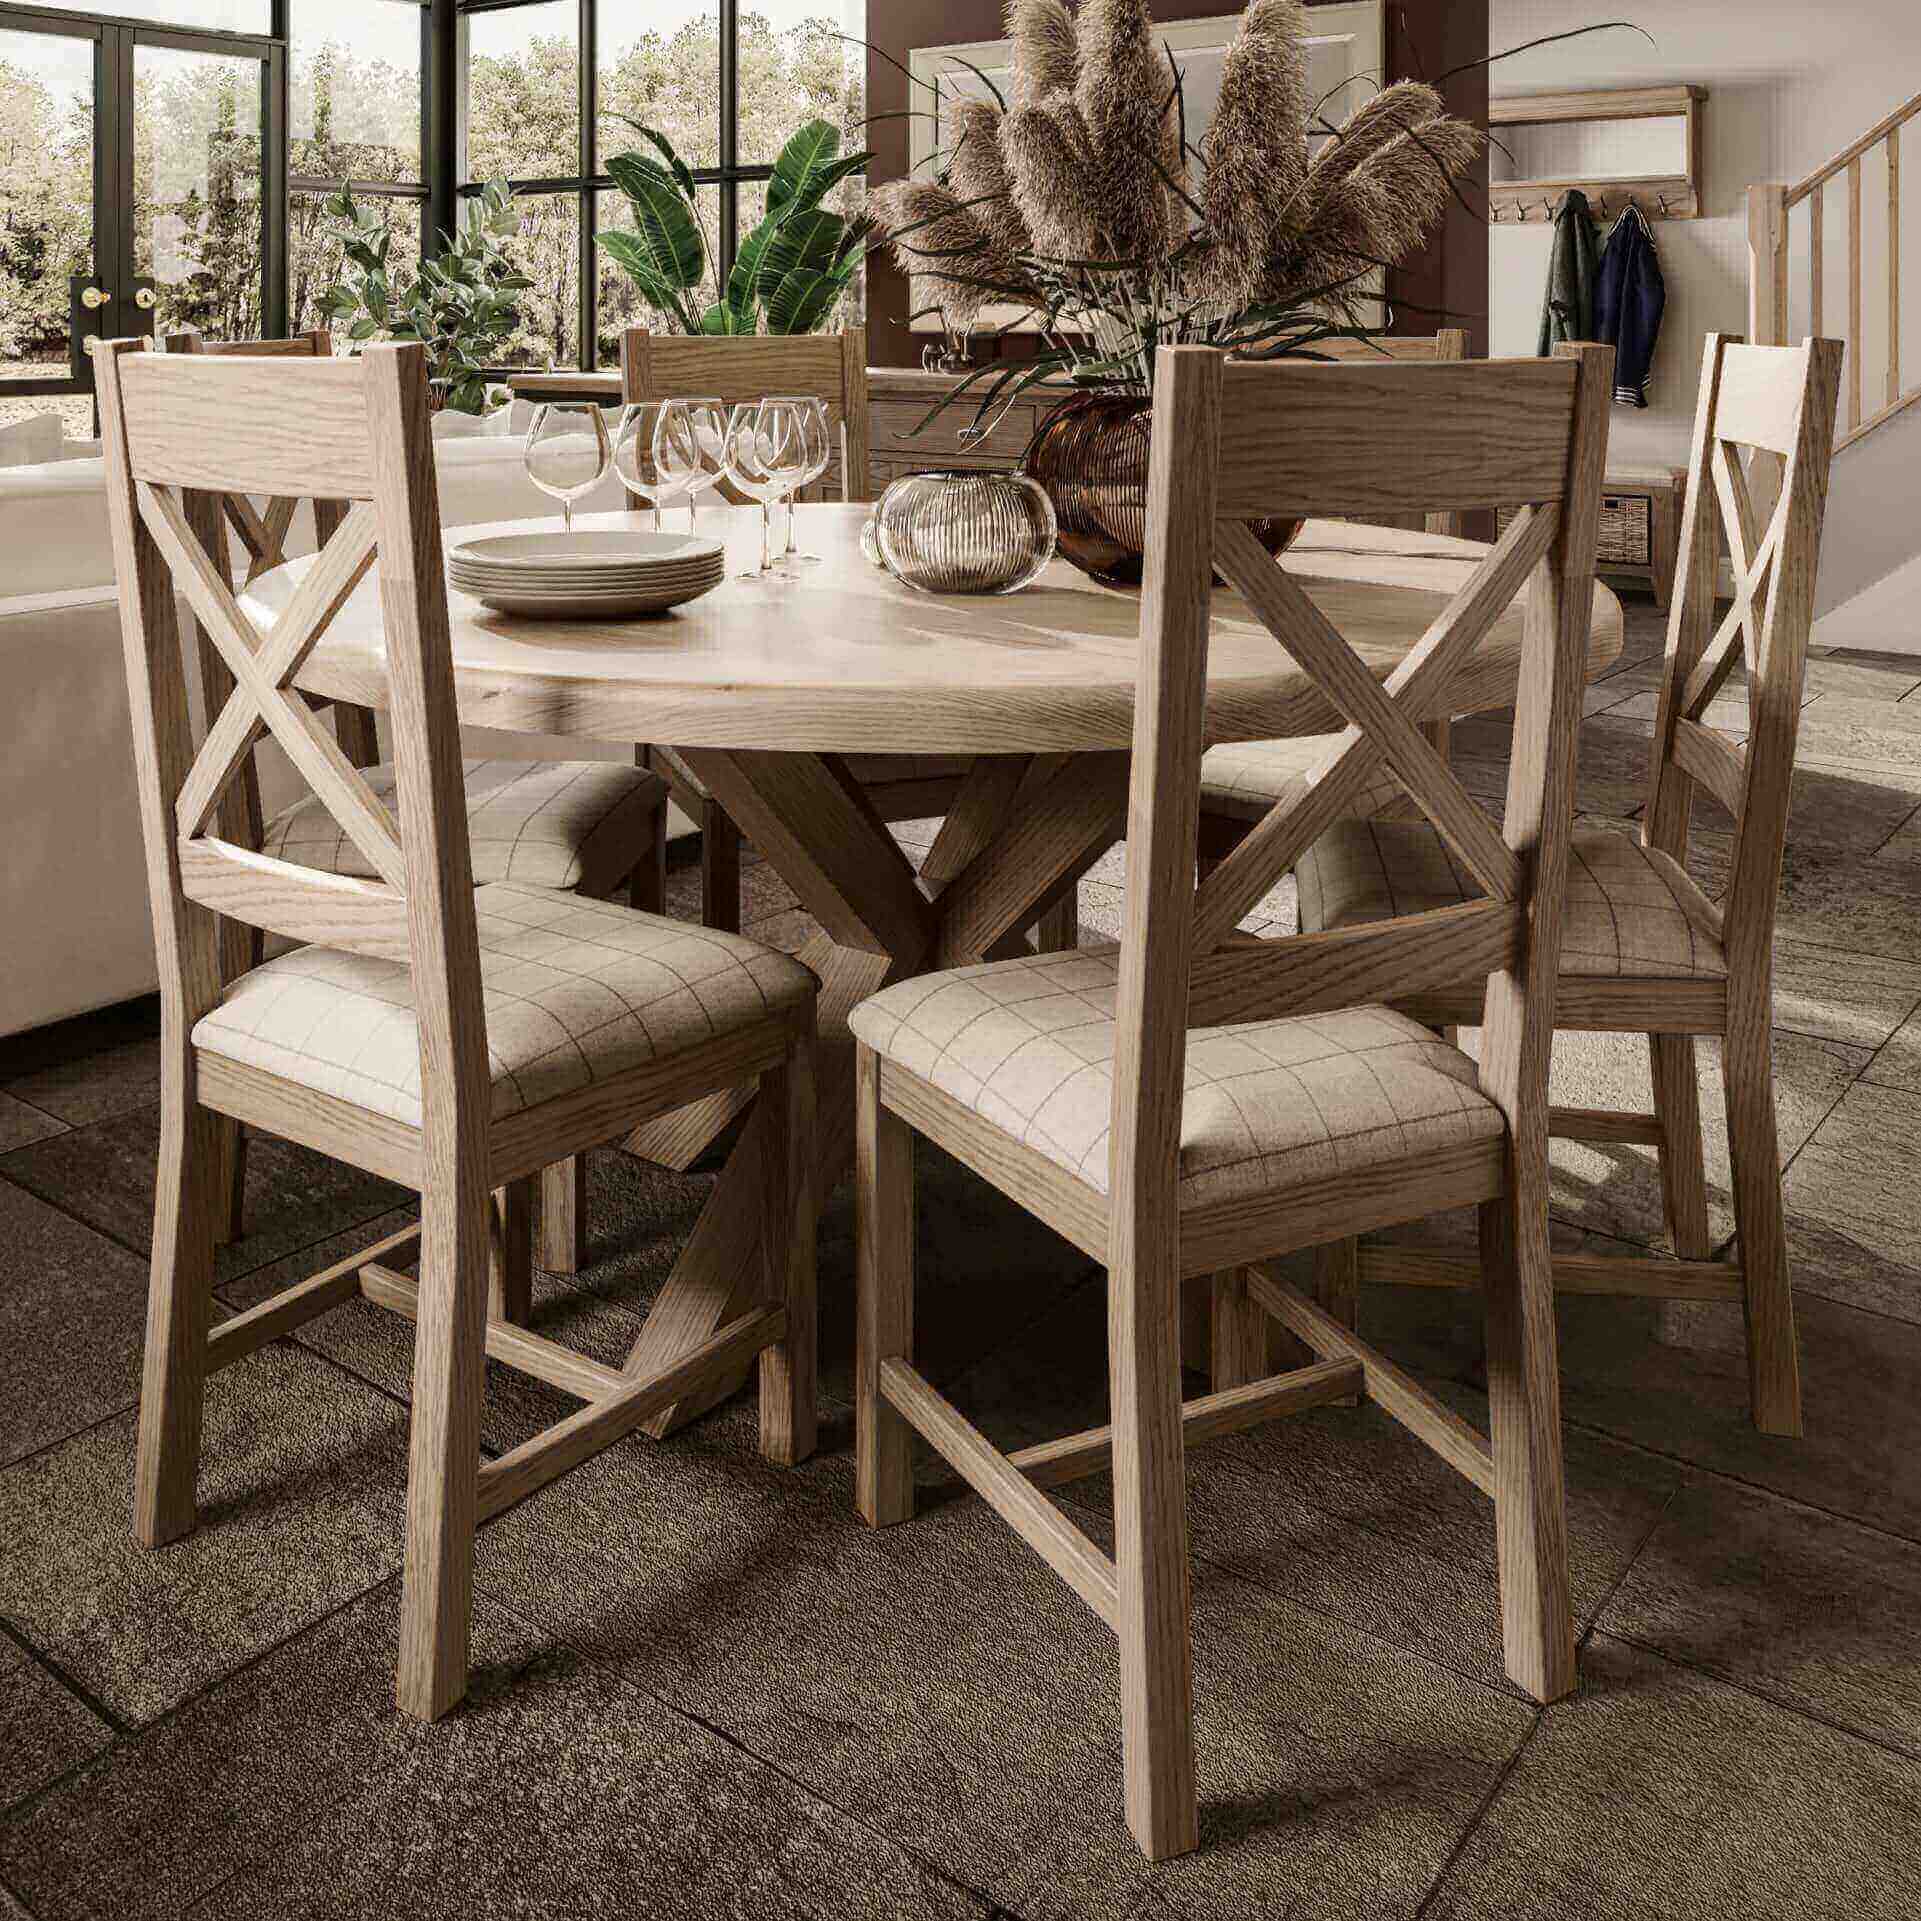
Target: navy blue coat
column 1629, row 296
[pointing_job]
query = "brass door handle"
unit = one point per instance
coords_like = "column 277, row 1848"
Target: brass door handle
column 95, row 296
column 144, row 297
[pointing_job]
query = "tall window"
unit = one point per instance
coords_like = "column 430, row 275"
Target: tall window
column 354, row 106
column 551, row 89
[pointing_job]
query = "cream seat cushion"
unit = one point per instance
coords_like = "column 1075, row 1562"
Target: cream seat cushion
column 1029, row 1045
column 550, row 823
column 576, row 991
column 1629, row 911
column 1248, row 778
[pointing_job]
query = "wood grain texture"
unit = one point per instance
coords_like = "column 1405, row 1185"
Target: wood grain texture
column 1226, row 1411
column 1062, row 1545
column 842, row 659
column 1149, row 1087
column 884, row 1306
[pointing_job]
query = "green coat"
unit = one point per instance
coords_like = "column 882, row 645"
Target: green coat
column 1572, row 269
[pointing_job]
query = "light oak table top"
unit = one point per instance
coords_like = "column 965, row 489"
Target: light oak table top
column 841, row 658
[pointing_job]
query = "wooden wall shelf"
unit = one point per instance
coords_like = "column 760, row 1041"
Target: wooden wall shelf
column 1672, row 196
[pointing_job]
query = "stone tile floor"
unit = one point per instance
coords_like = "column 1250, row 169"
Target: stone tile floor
column 702, row 1688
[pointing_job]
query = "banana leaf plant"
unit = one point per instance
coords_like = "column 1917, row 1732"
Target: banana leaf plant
column 788, row 274
column 460, row 305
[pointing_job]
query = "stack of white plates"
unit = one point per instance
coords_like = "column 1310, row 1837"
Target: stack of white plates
column 586, row 575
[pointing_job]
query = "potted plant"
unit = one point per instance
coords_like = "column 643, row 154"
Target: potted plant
column 1085, row 205
column 460, row 305
column 788, row 275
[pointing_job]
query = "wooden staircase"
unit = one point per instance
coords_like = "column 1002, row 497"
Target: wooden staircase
column 1776, row 242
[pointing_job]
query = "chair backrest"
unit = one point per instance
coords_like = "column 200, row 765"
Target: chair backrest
column 753, row 366
column 1449, row 344
column 1236, row 441
column 350, row 430
column 1775, row 401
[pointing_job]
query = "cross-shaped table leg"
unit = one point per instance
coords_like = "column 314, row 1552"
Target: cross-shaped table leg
column 1019, row 834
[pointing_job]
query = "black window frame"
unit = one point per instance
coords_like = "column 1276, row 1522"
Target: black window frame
column 729, row 174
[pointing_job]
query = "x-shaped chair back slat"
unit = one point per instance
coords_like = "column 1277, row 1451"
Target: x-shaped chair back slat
column 181, row 430
column 1753, row 400
column 1233, row 443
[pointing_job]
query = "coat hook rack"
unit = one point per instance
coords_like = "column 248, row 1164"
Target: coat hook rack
column 1659, row 195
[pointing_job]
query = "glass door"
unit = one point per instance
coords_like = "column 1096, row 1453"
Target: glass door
column 56, row 91
column 141, row 173
column 197, row 234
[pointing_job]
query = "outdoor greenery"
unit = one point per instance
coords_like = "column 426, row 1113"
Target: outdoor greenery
column 356, row 116
column 789, row 275
column 460, row 304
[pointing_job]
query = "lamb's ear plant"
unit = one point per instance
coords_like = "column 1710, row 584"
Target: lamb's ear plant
column 788, row 275
column 460, row 305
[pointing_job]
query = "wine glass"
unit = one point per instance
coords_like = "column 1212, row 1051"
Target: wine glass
column 766, row 455
column 690, row 446
column 817, row 430
column 567, row 452
column 637, row 460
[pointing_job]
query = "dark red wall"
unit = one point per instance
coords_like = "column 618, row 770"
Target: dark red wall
column 1424, row 39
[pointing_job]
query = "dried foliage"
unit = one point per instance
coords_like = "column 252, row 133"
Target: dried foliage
column 1082, row 205
column 1047, row 54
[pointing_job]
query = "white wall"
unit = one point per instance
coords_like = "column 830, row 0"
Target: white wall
column 1788, row 85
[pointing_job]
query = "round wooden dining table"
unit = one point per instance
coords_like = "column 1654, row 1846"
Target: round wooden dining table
column 767, row 685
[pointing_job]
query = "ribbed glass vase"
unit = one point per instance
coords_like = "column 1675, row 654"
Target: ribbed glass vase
column 965, row 532
column 1090, row 456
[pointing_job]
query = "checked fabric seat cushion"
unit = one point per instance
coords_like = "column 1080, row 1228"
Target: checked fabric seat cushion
column 1628, row 911
column 576, row 991
column 1028, row 1044
column 548, row 823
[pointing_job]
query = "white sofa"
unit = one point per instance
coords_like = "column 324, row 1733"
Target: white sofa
column 73, row 890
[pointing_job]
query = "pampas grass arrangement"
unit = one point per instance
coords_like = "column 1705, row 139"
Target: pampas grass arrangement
column 1083, row 203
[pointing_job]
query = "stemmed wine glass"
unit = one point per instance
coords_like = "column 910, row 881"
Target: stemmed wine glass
column 690, row 447
column 766, row 456
column 637, row 461
column 818, row 440
column 567, row 452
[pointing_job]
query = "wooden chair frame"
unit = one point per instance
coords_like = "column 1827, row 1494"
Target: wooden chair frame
column 1221, row 832
column 1231, row 442
column 1775, row 402
column 357, row 431
column 561, row 1218
column 658, row 366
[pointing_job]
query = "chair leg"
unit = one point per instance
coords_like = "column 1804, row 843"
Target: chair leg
column 1524, row 1398
column 443, row 1469
column 789, row 1370
column 1677, row 1106
column 510, row 1253
column 231, row 1191
column 1059, row 929
column 1150, row 1561
column 884, row 1235
column 1238, row 1348
column 563, row 1215
column 719, row 869
column 647, row 884
column 187, row 1200
column 1774, row 1370
column 1337, row 1286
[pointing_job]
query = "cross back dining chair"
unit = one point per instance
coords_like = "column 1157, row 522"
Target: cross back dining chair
column 1646, row 951
column 1195, row 1102
column 593, row 826
column 453, row 1039
column 1243, row 780
column 733, row 370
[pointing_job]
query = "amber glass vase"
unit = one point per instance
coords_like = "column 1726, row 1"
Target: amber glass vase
column 1090, row 456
